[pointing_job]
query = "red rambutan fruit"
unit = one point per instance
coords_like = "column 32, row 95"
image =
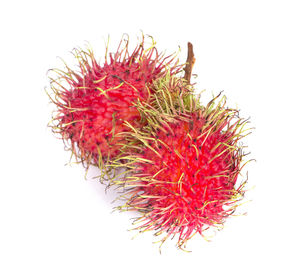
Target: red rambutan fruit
column 183, row 178
column 94, row 102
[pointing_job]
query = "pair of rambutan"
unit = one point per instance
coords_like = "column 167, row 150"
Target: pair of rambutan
column 182, row 158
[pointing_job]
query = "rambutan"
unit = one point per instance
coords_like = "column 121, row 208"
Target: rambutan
column 183, row 178
column 94, row 102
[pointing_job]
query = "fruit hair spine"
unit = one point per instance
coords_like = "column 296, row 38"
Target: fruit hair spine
column 183, row 177
column 93, row 103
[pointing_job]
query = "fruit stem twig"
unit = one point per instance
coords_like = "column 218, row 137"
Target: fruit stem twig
column 190, row 61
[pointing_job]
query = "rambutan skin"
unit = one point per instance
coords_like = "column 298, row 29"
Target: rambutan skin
column 185, row 176
column 93, row 103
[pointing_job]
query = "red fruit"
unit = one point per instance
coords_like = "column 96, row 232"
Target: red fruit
column 186, row 173
column 94, row 103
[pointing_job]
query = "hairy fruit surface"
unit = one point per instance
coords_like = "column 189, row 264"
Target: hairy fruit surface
column 94, row 102
column 184, row 178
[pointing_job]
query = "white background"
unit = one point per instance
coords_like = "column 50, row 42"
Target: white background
column 54, row 223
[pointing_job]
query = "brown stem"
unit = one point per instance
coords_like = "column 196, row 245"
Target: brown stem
column 190, row 61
